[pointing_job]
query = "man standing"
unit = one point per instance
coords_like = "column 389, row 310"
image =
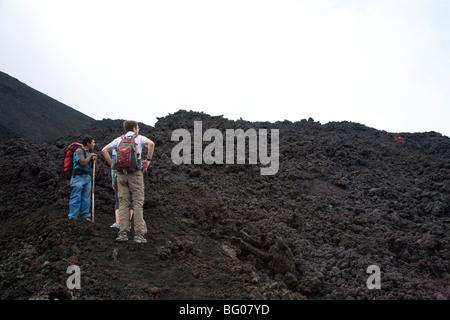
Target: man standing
column 130, row 183
column 80, row 183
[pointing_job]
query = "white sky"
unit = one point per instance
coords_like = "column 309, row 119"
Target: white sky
column 382, row 63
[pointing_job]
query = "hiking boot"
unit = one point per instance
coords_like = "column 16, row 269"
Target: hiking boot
column 122, row 237
column 139, row 239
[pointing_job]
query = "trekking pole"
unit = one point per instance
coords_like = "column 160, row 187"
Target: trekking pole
column 93, row 186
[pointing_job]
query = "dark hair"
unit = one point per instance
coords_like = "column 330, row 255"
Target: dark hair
column 87, row 140
column 129, row 125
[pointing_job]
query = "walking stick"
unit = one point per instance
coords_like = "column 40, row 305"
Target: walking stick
column 93, row 186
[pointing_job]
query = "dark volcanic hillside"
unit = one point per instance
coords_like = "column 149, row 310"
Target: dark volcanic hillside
column 345, row 197
column 32, row 115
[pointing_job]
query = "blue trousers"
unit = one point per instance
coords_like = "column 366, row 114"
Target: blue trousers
column 80, row 196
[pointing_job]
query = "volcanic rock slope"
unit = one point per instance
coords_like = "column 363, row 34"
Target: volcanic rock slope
column 34, row 116
column 346, row 197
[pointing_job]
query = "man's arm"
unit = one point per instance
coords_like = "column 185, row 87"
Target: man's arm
column 84, row 161
column 105, row 151
column 90, row 157
column 150, row 148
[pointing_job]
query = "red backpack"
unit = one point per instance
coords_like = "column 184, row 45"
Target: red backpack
column 68, row 159
column 127, row 158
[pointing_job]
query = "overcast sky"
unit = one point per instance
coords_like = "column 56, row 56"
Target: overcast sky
column 381, row 63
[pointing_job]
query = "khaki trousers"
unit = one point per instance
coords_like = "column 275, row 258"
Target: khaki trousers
column 131, row 187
